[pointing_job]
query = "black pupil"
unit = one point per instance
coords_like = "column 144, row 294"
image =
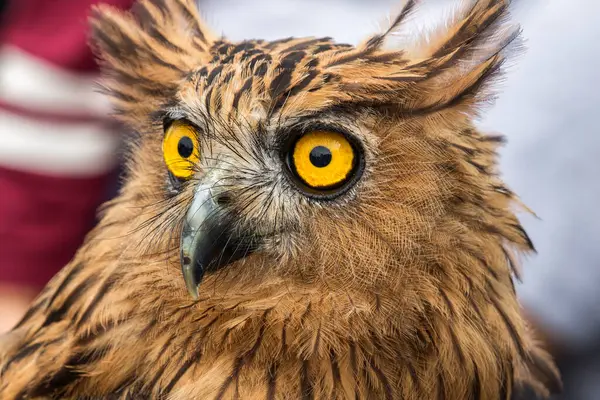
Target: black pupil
column 185, row 147
column 320, row 156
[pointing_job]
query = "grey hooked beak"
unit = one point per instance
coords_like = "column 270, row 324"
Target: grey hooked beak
column 208, row 240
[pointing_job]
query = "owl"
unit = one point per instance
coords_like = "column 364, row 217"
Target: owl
column 299, row 219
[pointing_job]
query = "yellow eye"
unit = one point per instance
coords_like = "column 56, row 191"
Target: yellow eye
column 323, row 159
column 180, row 149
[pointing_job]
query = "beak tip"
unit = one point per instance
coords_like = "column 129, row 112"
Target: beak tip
column 191, row 277
column 192, row 288
column 194, row 292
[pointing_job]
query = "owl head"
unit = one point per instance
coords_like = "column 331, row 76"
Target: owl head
column 351, row 175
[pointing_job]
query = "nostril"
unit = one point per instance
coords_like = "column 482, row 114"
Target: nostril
column 223, row 199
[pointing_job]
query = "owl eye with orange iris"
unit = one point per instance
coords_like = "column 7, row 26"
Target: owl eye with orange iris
column 181, row 150
column 325, row 163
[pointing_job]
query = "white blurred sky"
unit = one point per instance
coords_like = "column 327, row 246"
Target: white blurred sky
column 548, row 110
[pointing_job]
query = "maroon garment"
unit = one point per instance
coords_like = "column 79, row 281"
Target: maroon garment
column 43, row 220
column 44, row 216
column 54, row 30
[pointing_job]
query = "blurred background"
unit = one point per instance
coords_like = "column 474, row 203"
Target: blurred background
column 59, row 153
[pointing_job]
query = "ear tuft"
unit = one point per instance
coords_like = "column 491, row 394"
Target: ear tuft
column 452, row 70
column 467, row 57
column 145, row 53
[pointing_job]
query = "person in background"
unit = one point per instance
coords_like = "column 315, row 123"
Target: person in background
column 58, row 148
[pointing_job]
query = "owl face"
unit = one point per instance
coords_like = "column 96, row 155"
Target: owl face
column 313, row 162
column 262, row 181
column 265, row 167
